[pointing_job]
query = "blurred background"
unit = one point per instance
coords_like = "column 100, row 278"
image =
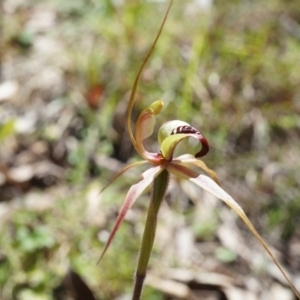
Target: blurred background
column 229, row 68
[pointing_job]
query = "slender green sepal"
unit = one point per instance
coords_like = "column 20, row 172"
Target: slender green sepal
column 136, row 81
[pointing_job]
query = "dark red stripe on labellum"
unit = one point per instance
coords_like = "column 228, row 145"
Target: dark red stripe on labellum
column 205, row 147
column 202, row 139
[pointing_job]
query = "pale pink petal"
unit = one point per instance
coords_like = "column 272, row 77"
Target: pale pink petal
column 144, row 129
column 210, row 186
column 188, row 161
column 181, row 171
column 134, row 192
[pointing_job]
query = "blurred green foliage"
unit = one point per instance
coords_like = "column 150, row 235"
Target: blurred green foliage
column 230, row 69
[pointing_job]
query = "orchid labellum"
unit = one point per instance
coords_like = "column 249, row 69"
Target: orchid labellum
column 163, row 164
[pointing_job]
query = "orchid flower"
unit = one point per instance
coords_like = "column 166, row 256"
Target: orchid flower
column 163, row 164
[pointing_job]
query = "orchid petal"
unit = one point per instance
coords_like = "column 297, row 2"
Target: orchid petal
column 138, row 163
column 181, row 171
column 187, row 160
column 210, row 186
column 171, row 133
column 146, row 121
column 144, row 129
column 134, row 192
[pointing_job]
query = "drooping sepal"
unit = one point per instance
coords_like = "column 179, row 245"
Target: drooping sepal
column 134, row 192
column 210, row 186
column 188, row 161
column 171, row 133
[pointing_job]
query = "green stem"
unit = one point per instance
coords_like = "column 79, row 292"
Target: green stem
column 160, row 185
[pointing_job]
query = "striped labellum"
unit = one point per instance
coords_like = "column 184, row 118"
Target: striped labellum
column 185, row 129
column 171, row 133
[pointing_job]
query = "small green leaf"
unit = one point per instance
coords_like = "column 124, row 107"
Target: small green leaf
column 7, row 129
column 225, row 255
column 38, row 238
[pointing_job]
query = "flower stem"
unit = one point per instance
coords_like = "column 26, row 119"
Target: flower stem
column 160, row 185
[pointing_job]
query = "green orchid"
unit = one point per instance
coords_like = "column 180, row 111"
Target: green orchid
column 163, row 164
